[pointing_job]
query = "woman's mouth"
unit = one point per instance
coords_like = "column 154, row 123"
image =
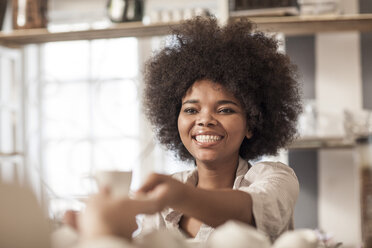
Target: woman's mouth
column 207, row 138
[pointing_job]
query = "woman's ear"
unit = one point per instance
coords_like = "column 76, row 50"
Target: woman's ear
column 249, row 134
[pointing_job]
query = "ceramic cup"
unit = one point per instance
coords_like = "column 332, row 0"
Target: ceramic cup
column 118, row 182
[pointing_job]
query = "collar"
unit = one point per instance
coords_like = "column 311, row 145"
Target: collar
column 172, row 217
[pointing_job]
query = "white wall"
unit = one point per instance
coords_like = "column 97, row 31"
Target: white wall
column 339, row 87
column 339, row 208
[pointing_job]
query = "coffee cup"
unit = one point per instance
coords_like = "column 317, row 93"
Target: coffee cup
column 118, row 182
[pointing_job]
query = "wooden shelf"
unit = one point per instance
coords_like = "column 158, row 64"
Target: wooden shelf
column 292, row 25
column 321, row 143
column 35, row 36
column 11, row 157
column 301, row 25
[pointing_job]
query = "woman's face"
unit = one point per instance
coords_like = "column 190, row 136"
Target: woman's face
column 212, row 123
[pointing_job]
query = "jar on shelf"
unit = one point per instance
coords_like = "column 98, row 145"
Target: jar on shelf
column 125, row 10
column 364, row 152
column 29, row 14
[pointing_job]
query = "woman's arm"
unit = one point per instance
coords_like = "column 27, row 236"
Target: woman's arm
column 212, row 207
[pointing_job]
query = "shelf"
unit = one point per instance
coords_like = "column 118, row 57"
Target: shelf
column 133, row 29
column 291, row 25
column 11, row 157
column 321, row 143
column 301, row 25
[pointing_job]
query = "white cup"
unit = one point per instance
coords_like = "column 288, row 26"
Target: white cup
column 118, row 182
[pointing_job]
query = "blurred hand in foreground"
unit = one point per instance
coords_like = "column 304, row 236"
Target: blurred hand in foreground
column 107, row 215
column 70, row 218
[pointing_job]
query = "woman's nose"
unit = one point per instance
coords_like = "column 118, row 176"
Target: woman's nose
column 206, row 119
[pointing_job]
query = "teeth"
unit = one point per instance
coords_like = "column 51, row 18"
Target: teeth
column 207, row 138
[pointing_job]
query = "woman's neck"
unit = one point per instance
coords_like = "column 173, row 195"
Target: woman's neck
column 217, row 175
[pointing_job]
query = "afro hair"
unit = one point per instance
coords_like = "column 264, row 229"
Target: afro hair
column 245, row 61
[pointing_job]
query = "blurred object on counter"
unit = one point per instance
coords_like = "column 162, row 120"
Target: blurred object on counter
column 29, row 14
column 72, row 15
column 318, row 7
column 64, row 236
column 357, row 123
column 238, row 235
column 3, row 4
column 164, row 238
column 364, row 148
column 174, row 15
column 304, row 238
column 125, row 10
column 326, row 240
column 307, row 122
column 319, row 128
column 23, row 223
column 263, row 7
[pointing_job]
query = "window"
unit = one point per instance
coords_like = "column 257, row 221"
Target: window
column 11, row 128
column 89, row 113
column 90, row 118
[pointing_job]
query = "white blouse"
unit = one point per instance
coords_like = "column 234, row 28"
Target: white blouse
column 273, row 187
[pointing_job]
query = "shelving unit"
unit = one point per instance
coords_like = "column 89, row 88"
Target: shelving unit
column 291, row 25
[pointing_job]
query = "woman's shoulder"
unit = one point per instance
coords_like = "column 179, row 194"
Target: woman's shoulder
column 270, row 164
column 271, row 167
column 271, row 175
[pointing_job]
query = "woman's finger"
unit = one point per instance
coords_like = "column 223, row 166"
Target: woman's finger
column 70, row 218
column 151, row 182
column 105, row 190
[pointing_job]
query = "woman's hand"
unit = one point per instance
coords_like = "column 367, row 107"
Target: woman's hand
column 162, row 191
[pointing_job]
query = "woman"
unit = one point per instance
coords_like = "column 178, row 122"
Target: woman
column 219, row 97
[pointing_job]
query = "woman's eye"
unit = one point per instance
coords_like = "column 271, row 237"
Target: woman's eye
column 190, row 111
column 226, row 111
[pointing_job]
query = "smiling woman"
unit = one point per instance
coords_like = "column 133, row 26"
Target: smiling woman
column 220, row 96
column 246, row 62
